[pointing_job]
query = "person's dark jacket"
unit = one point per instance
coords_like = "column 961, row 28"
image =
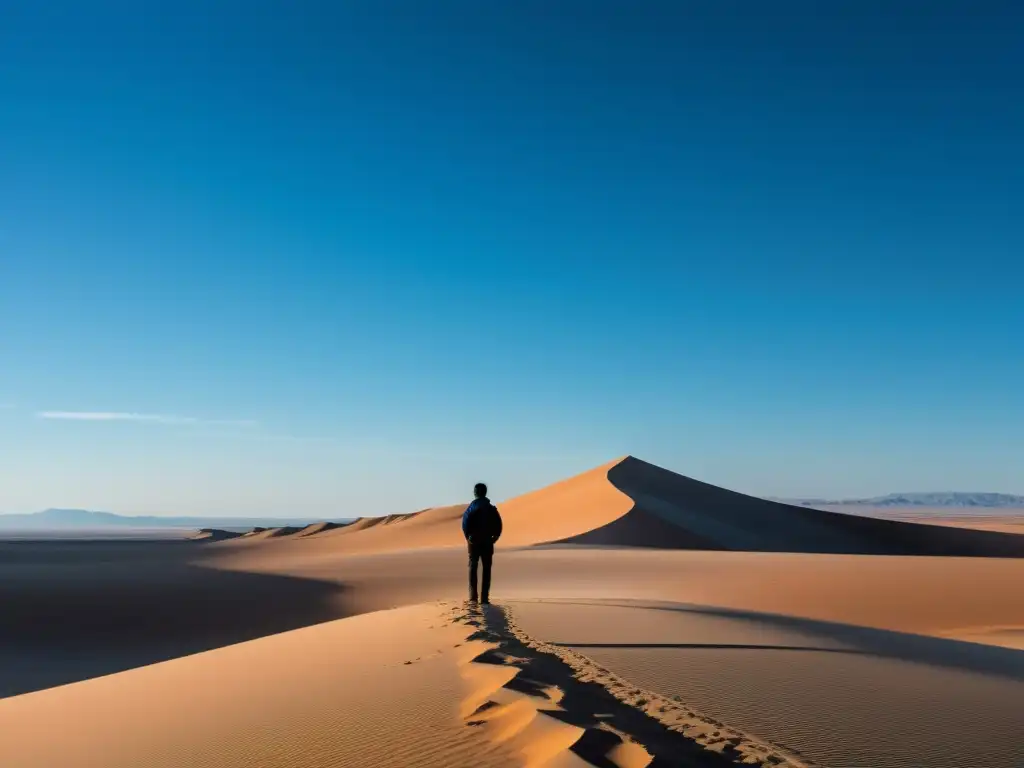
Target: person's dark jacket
column 481, row 522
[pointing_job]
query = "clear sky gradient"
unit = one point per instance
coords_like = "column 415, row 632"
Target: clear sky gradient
column 350, row 257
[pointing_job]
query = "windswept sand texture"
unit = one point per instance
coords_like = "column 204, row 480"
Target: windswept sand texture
column 380, row 689
column 643, row 618
column 557, row 708
column 842, row 696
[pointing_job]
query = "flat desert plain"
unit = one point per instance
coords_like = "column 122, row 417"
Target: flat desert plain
column 639, row 618
column 1004, row 519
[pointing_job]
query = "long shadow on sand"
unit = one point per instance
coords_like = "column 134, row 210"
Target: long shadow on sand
column 710, row 646
column 74, row 612
column 1006, row 663
column 555, row 715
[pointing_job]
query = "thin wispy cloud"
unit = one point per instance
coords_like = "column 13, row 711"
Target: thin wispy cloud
column 363, row 447
column 147, row 418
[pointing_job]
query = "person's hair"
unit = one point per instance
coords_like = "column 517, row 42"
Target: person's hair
column 479, row 490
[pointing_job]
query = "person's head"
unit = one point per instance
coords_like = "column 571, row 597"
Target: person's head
column 479, row 490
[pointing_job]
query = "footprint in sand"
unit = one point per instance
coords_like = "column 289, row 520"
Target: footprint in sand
column 530, row 697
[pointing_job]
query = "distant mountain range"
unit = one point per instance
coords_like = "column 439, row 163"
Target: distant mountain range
column 946, row 499
column 83, row 519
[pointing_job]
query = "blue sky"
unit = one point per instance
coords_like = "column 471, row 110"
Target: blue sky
column 349, row 258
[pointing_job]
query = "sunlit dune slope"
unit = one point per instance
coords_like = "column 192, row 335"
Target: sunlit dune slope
column 315, row 528
column 561, row 510
column 566, row 508
column 272, row 533
column 379, row 689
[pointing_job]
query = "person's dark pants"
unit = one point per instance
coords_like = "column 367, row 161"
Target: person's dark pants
column 480, row 553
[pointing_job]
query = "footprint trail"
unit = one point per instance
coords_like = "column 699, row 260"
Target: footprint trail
column 559, row 709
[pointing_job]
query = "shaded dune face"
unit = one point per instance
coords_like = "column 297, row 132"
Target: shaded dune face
column 214, row 534
column 840, row 695
column 315, row 528
column 672, row 511
column 102, row 609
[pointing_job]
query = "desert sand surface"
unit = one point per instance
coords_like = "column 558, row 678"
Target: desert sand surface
column 629, row 502
column 883, row 604
column 1002, row 523
column 379, row 689
column 839, row 695
column 1004, row 519
column 429, row 685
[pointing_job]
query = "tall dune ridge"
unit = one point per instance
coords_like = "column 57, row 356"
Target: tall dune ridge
column 640, row 616
column 629, row 502
column 699, row 515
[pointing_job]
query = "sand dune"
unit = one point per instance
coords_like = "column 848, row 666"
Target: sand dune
column 214, row 534
column 632, row 503
column 553, row 709
column 363, row 523
column 126, row 605
column 837, row 695
column 426, row 685
column 564, row 509
column 315, row 528
column 855, row 608
column 272, row 533
column 435, row 527
column 670, row 510
column 946, row 597
column 554, row 683
column 381, row 689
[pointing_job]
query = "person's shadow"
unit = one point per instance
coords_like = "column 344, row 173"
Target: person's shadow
column 610, row 725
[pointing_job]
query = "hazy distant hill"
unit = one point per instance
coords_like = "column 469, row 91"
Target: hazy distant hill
column 943, row 499
column 83, row 519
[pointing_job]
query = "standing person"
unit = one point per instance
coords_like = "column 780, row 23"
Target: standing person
column 481, row 525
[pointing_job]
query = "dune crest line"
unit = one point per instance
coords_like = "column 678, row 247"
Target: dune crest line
column 559, row 708
column 632, row 503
